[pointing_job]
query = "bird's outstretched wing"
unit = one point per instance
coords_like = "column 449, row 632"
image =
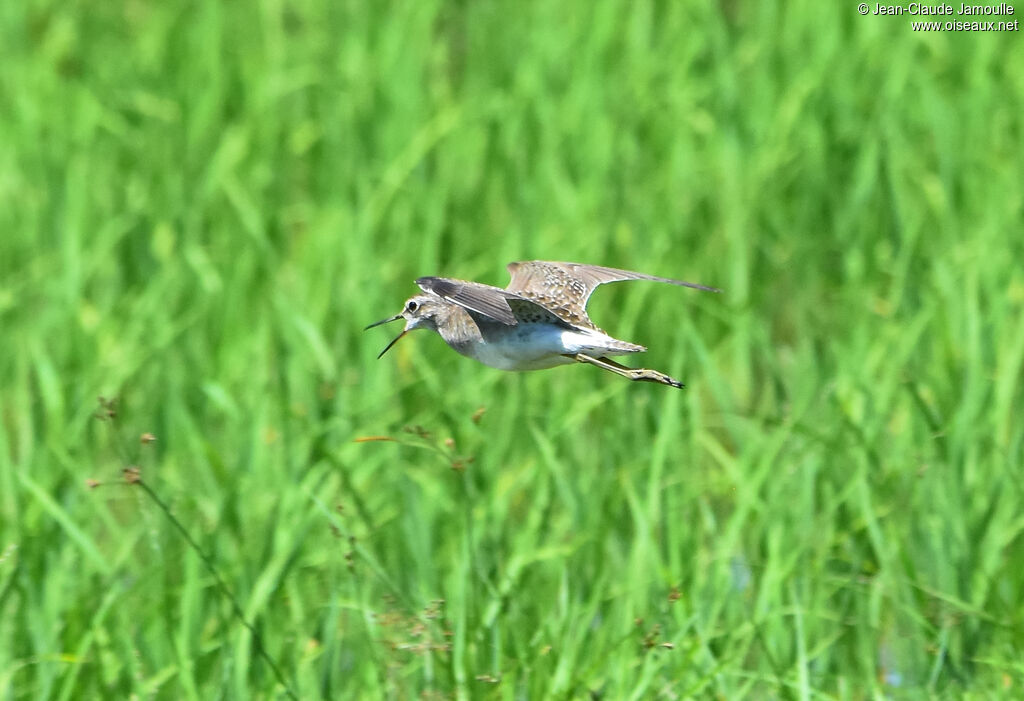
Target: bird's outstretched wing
column 564, row 288
column 476, row 297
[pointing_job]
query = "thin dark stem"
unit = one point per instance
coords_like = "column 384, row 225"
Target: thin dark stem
column 236, row 607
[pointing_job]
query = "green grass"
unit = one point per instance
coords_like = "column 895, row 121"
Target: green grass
column 202, row 204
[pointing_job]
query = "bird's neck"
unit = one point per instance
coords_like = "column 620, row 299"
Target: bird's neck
column 459, row 330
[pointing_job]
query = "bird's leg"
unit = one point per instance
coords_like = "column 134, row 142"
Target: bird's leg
column 635, row 374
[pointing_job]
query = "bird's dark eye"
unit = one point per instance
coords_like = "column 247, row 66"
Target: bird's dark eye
column 411, row 307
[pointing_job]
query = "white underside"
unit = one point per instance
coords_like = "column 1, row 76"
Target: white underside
column 535, row 347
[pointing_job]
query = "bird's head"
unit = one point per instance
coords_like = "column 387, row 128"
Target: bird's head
column 421, row 311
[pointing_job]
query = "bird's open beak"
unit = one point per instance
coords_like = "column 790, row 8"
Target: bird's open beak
column 388, row 347
column 396, row 317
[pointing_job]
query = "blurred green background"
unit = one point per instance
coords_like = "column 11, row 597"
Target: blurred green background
column 203, row 203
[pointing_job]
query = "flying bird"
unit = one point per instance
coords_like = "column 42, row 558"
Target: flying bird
column 537, row 322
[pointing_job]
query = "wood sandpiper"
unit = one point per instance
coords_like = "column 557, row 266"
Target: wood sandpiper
column 538, row 321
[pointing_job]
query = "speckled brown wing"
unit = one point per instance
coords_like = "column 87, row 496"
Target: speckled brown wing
column 564, row 288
